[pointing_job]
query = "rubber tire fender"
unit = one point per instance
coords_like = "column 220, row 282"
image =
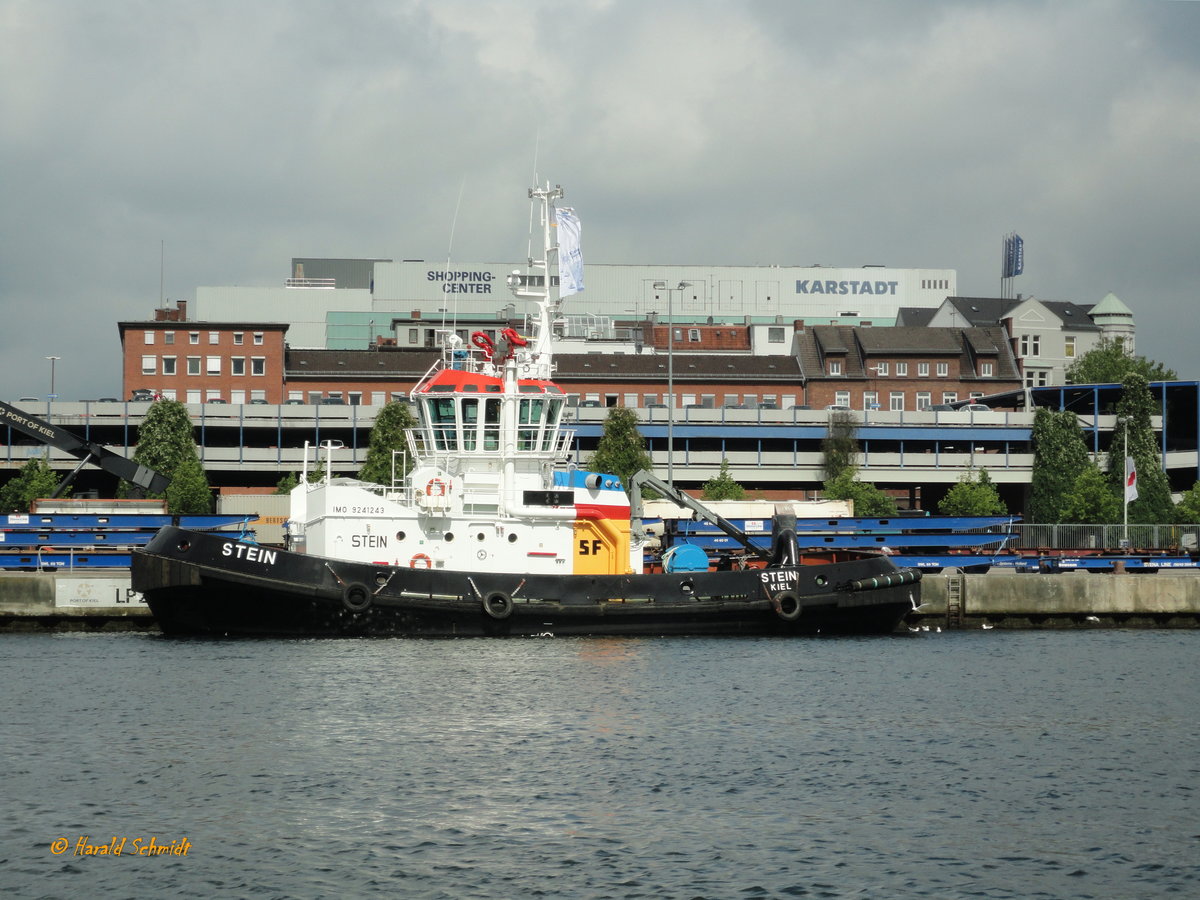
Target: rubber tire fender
column 498, row 605
column 787, row 606
column 356, row 597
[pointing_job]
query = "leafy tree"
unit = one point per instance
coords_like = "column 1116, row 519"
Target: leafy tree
column 1059, row 455
column 165, row 444
column 287, row 483
column 621, row 450
column 1134, row 435
column 723, row 487
column 391, row 425
column 35, row 480
column 1090, row 500
column 973, row 498
column 868, row 499
column 1187, row 510
column 840, row 446
column 1109, row 362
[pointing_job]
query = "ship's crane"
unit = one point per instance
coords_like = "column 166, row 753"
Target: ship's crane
column 85, row 451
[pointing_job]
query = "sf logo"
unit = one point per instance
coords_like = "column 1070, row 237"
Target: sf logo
column 590, row 548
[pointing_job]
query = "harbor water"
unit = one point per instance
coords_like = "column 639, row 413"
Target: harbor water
column 969, row 764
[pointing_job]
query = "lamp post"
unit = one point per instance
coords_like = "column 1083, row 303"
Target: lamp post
column 662, row 286
column 53, row 360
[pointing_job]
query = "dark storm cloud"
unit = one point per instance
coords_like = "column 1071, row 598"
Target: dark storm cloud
column 239, row 135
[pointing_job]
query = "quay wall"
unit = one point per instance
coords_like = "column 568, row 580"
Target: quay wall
column 33, row 601
column 1061, row 600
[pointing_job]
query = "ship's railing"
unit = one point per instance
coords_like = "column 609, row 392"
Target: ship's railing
column 1185, row 538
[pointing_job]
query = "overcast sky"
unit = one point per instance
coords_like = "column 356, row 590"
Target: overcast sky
column 227, row 137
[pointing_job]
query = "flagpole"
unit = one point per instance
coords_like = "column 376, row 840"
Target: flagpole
column 1122, row 420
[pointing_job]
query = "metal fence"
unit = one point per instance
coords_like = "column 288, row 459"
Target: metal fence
column 1106, row 537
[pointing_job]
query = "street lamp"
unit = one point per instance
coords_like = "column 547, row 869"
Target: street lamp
column 662, row 286
column 53, row 360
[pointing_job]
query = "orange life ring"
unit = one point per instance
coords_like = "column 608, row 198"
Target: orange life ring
column 436, row 488
column 482, row 341
column 420, row 561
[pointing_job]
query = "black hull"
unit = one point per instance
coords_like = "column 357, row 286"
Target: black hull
column 199, row 583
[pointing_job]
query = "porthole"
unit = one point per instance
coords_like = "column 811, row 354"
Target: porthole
column 821, row 581
column 399, row 535
column 481, row 536
column 448, row 536
column 512, row 538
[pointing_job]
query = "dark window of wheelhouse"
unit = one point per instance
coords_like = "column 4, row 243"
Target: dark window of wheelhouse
column 470, row 423
column 442, row 421
column 491, row 423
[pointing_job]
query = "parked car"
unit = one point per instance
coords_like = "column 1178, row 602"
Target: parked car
column 977, row 407
column 141, row 395
column 293, row 403
column 258, row 402
column 940, row 407
column 839, row 407
column 216, row 400
column 332, row 401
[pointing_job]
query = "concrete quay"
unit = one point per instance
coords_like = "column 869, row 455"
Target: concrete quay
column 104, row 601
column 1062, row 600
column 96, row 600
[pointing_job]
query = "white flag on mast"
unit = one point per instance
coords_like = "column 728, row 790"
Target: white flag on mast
column 1131, row 493
column 570, row 256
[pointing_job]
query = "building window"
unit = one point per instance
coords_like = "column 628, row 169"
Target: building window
column 168, row 365
column 295, row 395
column 986, row 370
column 237, row 365
column 1069, row 347
column 901, row 370
column 835, row 367
column 414, row 335
column 881, row 368
column 258, row 365
column 168, row 337
column 923, row 370
column 149, row 365
column 193, row 337
column 1031, row 345
column 238, row 337
column 214, row 337
column 258, row 395
column 924, row 400
column 896, row 401
column 630, row 401
column 354, row 398
column 870, row 400
column 193, row 395
column 694, row 335
column 841, row 398
column 943, row 370
column 193, row 363
column 213, row 365
column 258, row 338
column 775, row 335
column 148, row 338
column 1037, row 377
column 949, row 396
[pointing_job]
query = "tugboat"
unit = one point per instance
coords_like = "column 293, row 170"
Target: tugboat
column 494, row 531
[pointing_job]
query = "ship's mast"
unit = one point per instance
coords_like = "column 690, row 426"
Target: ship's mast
column 545, row 295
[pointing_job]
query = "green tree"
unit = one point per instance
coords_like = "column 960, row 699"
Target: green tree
column 840, row 445
column 971, row 497
column 1109, row 362
column 1059, row 455
column 165, row 444
column 391, row 425
column 621, row 450
column 287, row 483
column 1090, row 500
column 1134, row 435
column 722, row 486
column 1187, row 510
column 868, row 499
column 35, row 481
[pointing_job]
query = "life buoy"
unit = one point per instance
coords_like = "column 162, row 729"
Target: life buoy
column 787, row 606
column 437, row 488
column 356, row 597
column 498, row 605
column 420, row 561
column 482, row 341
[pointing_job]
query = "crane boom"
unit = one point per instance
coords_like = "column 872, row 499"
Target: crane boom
column 85, row 451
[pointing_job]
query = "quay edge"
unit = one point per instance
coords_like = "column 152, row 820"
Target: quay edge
column 78, row 601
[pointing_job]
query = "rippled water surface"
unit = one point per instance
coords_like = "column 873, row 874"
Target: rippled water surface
column 982, row 764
